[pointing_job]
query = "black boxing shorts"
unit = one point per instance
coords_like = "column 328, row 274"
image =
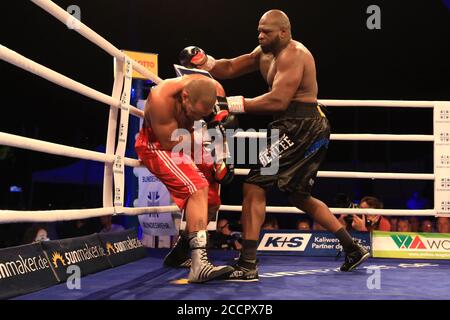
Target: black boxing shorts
column 304, row 133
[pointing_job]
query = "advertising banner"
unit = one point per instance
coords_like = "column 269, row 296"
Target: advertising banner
column 24, row 269
column 411, row 245
column 313, row 244
column 85, row 252
column 122, row 247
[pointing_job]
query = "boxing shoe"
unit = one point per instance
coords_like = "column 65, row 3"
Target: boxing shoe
column 178, row 257
column 354, row 257
column 244, row 271
column 201, row 269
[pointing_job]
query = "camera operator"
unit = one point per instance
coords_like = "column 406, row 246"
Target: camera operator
column 224, row 237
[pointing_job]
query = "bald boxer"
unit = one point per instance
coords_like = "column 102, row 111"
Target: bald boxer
column 289, row 69
column 176, row 104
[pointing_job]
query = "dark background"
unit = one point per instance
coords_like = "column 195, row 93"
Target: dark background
column 409, row 58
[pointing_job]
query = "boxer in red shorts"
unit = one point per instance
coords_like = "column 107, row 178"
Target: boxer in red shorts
column 176, row 104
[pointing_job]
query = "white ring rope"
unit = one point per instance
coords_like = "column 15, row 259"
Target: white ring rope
column 8, row 216
column 61, row 80
column 387, row 212
column 350, row 136
column 361, row 175
column 92, row 36
column 60, row 150
column 378, row 103
column 14, row 216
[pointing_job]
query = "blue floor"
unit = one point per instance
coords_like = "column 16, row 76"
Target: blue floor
column 281, row 278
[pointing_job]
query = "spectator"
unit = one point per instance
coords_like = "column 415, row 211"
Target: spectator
column 303, row 225
column 342, row 200
column 426, row 225
column 443, row 225
column 414, row 224
column 224, row 238
column 394, row 223
column 108, row 226
column 370, row 222
column 270, row 223
column 35, row 233
column 403, row 225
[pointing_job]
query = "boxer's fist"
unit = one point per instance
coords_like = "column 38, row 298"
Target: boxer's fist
column 194, row 57
column 223, row 172
column 221, row 116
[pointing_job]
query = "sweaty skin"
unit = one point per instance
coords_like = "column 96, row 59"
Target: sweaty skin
column 169, row 108
column 288, row 68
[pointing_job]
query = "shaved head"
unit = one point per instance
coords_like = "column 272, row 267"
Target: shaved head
column 277, row 18
column 202, row 90
column 274, row 31
column 201, row 94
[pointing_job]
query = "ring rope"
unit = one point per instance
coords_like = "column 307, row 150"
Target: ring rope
column 387, row 212
column 12, row 140
column 15, row 216
column 58, row 149
column 361, row 175
column 350, row 137
column 378, row 103
column 46, row 73
column 61, row 80
column 92, row 36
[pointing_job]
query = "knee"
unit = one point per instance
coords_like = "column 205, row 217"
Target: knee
column 299, row 201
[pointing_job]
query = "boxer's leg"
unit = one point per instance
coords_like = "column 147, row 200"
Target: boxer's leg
column 189, row 190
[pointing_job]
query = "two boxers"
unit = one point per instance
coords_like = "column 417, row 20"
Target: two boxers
column 289, row 69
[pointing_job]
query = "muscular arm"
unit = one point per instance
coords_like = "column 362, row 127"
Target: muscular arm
column 232, row 68
column 159, row 111
column 287, row 79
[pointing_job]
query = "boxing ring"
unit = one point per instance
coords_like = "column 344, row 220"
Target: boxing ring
column 287, row 278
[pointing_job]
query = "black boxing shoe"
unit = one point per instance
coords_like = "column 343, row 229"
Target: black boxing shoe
column 354, row 257
column 244, row 271
column 178, row 257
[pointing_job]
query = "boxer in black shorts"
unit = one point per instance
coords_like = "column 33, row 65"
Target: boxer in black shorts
column 289, row 69
column 304, row 134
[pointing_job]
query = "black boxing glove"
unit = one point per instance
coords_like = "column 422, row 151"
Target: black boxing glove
column 194, row 57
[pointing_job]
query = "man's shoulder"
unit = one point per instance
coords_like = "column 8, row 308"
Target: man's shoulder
column 295, row 50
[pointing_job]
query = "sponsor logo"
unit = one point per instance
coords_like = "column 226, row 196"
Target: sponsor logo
column 109, row 249
column 408, row 242
column 22, row 266
column 284, row 242
column 330, row 270
column 276, row 150
column 76, row 256
column 121, row 246
column 56, row 256
column 153, row 199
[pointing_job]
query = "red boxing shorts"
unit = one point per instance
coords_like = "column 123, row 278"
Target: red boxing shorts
column 182, row 178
